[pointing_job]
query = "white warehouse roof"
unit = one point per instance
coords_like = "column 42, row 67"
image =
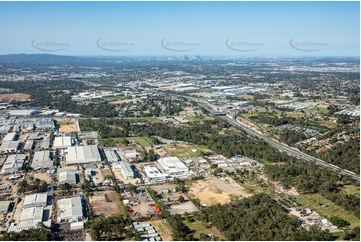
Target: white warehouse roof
column 67, row 177
column 9, row 146
column 125, row 168
column 42, row 159
column 32, row 215
column 13, row 163
column 111, row 154
column 10, row 137
column 70, row 209
column 30, row 218
column 154, row 173
column 82, row 154
column 173, row 165
column 63, row 142
column 36, row 200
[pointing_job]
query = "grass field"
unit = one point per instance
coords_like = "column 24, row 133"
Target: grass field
column 113, row 142
column 247, row 96
column 199, row 228
column 202, row 148
column 143, row 141
column 350, row 189
column 180, row 151
column 327, row 124
column 199, row 118
column 326, row 208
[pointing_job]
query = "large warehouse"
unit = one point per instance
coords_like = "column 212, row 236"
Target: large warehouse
column 4, row 207
column 173, row 166
column 70, row 210
column 112, row 155
column 35, row 200
column 82, row 154
column 10, row 137
column 63, row 142
column 154, row 174
column 30, row 218
column 67, row 177
column 124, row 168
column 9, row 146
column 42, row 159
column 23, row 112
column 13, row 163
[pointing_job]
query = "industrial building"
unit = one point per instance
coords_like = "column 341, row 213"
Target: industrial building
column 4, row 207
column 44, row 124
column 34, row 136
column 36, row 200
column 13, row 163
column 30, row 219
column 112, row 155
column 63, row 142
column 173, row 166
column 23, row 112
column 44, row 144
column 5, row 129
column 124, row 168
column 10, row 137
column 67, row 177
column 29, row 145
column 154, row 174
column 42, row 159
column 130, row 152
column 70, row 210
column 9, row 146
column 82, row 154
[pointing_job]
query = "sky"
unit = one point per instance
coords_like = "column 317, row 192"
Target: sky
column 179, row 28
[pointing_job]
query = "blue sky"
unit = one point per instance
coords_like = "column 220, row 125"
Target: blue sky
column 138, row 28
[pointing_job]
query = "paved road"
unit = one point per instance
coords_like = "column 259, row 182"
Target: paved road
column 278, row 145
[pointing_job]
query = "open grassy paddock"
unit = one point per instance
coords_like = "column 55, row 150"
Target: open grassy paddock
column 200, row 228
column 143, row 141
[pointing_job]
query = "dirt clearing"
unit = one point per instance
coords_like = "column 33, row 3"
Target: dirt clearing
column 68, row 125
column 20, row 97
column 213, row 190
column 107, row 207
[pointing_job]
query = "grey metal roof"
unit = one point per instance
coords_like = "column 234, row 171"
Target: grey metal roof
column 42, row 159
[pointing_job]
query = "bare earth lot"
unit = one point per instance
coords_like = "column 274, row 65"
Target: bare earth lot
column 213, row 190
column 68, row 125
column 182, row 208
column 42, row 176
column 99, row 204
column 21, row 97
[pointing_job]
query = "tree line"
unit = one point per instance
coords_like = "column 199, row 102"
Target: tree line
column 259, row 218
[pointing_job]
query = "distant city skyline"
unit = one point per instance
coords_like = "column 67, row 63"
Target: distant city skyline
column 181, row 28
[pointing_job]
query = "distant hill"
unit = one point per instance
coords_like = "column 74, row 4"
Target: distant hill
column 40, row 59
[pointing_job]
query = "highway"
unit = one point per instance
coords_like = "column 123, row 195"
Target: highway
column 278, row 145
